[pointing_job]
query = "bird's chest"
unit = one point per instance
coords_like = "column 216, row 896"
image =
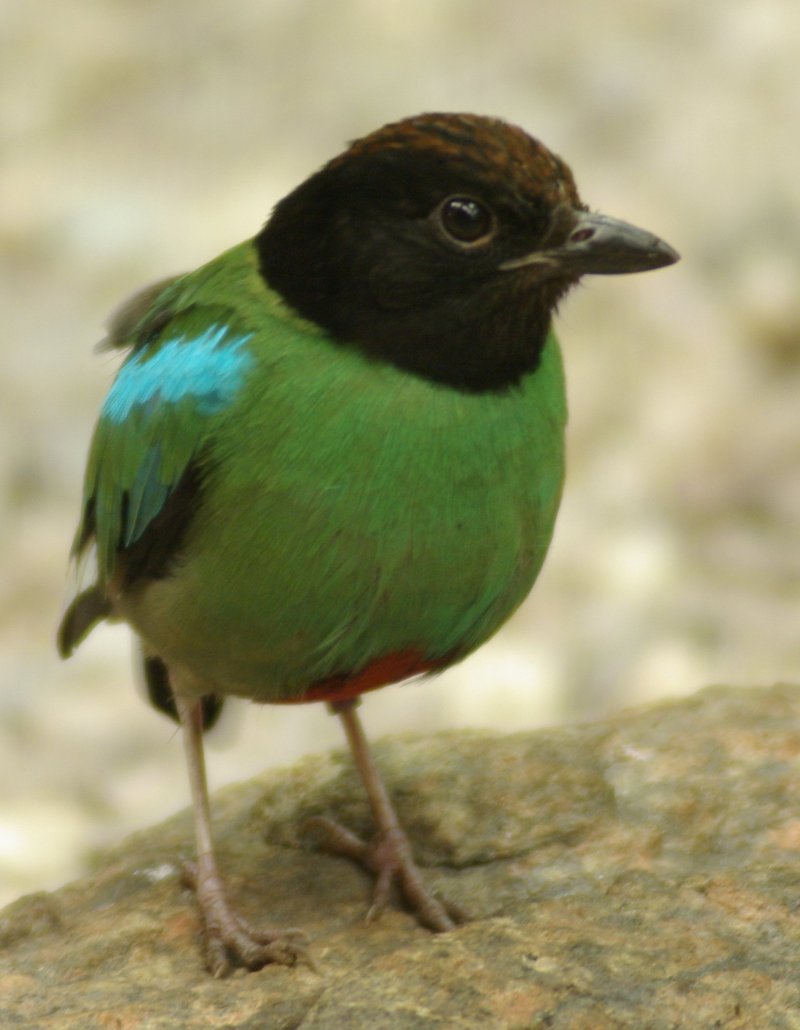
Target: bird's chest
column 428, row 482
column 414, row 491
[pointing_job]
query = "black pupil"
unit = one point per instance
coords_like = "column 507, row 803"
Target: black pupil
column 465, row 219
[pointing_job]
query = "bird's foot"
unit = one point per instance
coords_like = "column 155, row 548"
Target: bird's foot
column 229, row 939
column 389, row 857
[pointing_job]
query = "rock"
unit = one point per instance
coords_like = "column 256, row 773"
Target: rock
column 641, row 872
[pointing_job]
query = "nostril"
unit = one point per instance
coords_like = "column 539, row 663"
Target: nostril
column 581, row 235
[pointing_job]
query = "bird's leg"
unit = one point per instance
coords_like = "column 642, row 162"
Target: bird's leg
column 229, row 939
column 389, row 854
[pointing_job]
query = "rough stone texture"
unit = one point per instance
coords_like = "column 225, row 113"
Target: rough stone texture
column 641, row 872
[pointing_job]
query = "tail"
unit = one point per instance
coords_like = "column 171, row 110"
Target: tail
column 92, row 606
column 86, row 610
column 159, row 692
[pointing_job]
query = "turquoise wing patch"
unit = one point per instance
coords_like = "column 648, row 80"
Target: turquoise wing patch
column 207, row 369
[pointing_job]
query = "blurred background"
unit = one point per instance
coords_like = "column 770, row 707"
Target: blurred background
column 140, row 139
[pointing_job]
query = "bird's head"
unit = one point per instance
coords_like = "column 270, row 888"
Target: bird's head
column 442, row 244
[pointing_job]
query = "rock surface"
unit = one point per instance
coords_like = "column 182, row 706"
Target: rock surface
column 641, row 872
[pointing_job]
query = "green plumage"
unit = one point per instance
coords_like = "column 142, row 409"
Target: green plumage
column 349, row 510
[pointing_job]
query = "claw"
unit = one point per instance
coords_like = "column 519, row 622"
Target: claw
column 231, row 940
column 388, row 856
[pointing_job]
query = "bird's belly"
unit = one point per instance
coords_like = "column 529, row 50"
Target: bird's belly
column 295, row 590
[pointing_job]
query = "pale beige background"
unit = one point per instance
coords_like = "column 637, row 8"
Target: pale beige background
column 140, row 138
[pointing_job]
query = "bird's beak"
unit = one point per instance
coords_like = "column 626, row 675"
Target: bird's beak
column 599, row 245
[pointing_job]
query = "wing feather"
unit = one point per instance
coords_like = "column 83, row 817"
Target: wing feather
column 183, row 368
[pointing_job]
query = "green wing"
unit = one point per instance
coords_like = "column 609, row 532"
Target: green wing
column 145, row 461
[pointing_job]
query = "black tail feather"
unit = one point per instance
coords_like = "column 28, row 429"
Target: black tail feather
column 159, row 692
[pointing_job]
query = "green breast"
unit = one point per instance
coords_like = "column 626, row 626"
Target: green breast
column 351, row 511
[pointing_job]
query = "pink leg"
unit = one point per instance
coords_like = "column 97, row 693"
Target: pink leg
column 389, row 854
column 229, row 939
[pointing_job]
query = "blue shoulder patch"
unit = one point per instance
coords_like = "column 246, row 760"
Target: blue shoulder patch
column 209, row 369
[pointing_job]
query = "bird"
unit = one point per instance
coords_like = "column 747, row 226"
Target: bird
column 332, row 457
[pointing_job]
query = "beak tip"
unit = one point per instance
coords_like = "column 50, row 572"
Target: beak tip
column 666, row 255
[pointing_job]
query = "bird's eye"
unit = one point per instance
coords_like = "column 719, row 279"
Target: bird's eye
column 465, row 220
